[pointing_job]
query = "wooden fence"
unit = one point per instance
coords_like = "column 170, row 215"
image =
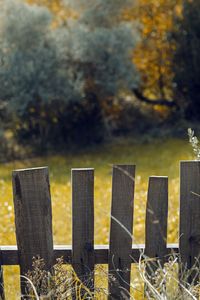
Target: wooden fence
column 33, row 220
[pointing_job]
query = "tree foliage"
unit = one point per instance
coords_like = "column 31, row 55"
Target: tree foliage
column 153, row 56
column 154, row 53
column 34, row 73
column 60, row 11
column 104, row 45
column 49, row 72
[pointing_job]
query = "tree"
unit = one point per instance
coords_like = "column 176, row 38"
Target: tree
column 103, row 46
column 49, row 72
column 187, row 59
column 35, row 72
column 154, row 54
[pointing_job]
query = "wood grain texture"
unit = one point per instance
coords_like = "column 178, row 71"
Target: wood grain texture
column 33, row 217
column 156, row 217
column 2, row 293
column 121, row 230
column 156, row 227
column 190, row 217
column 83, row 226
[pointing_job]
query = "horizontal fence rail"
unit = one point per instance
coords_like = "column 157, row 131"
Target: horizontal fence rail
column 10, row 254
column 33, row 222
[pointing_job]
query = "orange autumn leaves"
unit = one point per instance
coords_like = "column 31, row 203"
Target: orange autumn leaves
column 154, row 54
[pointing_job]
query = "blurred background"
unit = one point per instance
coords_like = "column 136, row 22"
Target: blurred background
column 80, row 73
column 88, row 83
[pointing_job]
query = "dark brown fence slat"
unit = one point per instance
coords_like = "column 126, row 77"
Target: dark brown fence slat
column 156, row 218
column 33, row 217
column 121, row 231
column 190, row 217
column 9, row 255
column 156, row 225
column 83, row 226
column 2, row 294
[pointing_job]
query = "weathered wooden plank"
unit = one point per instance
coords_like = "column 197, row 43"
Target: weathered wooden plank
column 33, row 217
column 190, row 218
column 156, row 226
column 156, row 217
column 83, row 226
column 9, row 255
column 121, row 231
column 2, row 293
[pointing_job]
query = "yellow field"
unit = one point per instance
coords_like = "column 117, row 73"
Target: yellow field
column 156, row 158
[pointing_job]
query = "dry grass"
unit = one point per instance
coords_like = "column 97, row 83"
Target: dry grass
column 61, row 284
column 158, row 283
column 156, row 158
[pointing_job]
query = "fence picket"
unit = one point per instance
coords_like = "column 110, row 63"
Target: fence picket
column 2, row 294
column 190, row 218
column 156, row 225
column 83, row 226
column 33, row 221
column 33, row 218
column 119, row 260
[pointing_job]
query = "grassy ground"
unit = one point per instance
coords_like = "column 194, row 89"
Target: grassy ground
column 155, row 158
